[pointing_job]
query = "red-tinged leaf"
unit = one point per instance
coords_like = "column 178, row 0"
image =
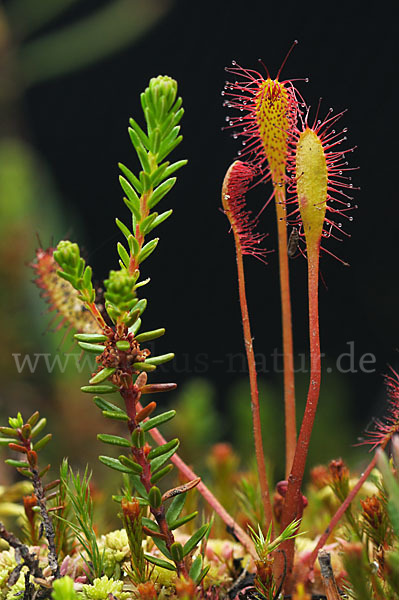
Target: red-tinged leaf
column 61, row 507
column 51, row 485
column 180, row 489
column 146, row 412
column 17, row 448
column 151, row 533
column 155, row 388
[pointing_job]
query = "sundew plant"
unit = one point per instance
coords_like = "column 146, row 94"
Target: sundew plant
column 167, row 544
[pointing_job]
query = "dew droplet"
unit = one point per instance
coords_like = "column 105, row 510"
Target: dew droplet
column 330, row 109
column 339, row 172
column 233, row 62
column 339, row 225
column 345, row 129
column 239, row 153
column 306, row 79
column 348, row 204
column 227, row 119
column 350, row 218
column 222, row 93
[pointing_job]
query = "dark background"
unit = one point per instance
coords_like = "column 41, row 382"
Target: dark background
column 78, row 122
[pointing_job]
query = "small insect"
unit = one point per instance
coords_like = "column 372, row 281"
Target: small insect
column 293, row 242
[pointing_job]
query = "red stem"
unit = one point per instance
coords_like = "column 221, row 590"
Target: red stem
column 144, row 212
column 206, row 493
column 293, row 506
column 286, row 317
column 97, row 315
column 260, row 457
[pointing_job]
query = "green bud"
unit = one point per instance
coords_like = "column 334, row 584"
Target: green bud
column 123, row 345
column 155, row 497
column 67, row 254
column 120, row 293
column 16, row 422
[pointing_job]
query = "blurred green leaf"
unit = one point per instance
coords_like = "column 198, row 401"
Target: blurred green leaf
column 91, row 39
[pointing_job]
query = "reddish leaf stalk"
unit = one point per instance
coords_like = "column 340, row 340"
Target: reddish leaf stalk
column 260, row 457
column 235, row 186
column 293, row 506
column 286, row 317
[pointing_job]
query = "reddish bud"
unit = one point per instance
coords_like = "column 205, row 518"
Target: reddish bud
column 147, row 449
column 185, row 588
column 338, row 470
column 32, row 458
column 131, row 509
column 29, row 503
column 320, row 476
column 372, row 510
column 147, row 591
